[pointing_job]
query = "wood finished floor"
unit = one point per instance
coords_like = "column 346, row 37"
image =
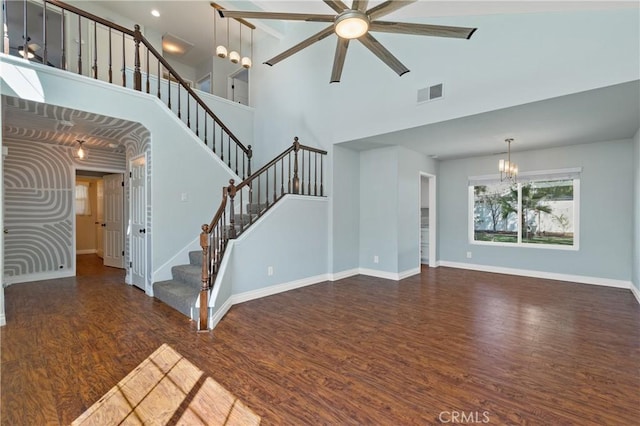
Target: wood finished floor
column 357, row 351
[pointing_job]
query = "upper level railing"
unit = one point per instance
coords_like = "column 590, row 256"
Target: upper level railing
column 63, row 36
column 297, row 170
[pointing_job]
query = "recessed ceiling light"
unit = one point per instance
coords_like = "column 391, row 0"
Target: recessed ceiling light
column 155, row 13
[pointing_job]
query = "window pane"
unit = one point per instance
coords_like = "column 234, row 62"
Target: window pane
column 495, row 213
column 547, row 212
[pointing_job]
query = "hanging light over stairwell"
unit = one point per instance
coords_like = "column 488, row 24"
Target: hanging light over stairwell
column 221, row 50
column 246, row 60
column 234, row 56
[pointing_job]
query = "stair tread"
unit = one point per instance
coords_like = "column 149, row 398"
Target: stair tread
column 176, row 294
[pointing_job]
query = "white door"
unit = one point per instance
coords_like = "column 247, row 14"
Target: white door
column 113, row 234
column 138, row 240
column 100, row 218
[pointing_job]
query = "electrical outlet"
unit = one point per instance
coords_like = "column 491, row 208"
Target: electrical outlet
column 376, row 259
column 469, row 255
column 270, row 270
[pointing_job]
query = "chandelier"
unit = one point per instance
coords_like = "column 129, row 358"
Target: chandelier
column 508, row 169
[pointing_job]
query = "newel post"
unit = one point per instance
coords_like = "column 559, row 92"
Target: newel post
column 296, row 179
column 231, row 190
column 137, row 76
column 204, row 290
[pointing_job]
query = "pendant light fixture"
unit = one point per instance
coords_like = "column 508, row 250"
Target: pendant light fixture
column 508, row 169
column 81, row 153
column 221, row 51
column 234, row 56
column 246, row 60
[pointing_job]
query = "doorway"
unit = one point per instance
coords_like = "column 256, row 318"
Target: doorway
column 99, row 216
column 238, row 87
column 428, row 249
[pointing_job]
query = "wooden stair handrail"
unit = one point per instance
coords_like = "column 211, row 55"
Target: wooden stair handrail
column 189, row 90
column 139, row 38
column 271, row 163
column 209, row 266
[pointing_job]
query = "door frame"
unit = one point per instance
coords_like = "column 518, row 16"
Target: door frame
column 104, row 170
column 433, row 224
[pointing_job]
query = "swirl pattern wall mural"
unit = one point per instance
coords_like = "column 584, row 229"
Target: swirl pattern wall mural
column 39, row 180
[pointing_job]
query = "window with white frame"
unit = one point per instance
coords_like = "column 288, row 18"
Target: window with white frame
column 540, row 210
column 83, row 203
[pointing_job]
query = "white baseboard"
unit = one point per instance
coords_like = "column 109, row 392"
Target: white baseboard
column 278, row 288
column 635, row 292
column 374, row 273
column 87, row 251
column 220, row 313
column 344, row 274
column 389, row 275
column 408, row 273
column 234, row 299
column 64, row 273
column 607, row 282
column 3, row 320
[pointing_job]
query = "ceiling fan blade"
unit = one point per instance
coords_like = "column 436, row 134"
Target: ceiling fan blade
column 381, row 52
column 298, row 47
column 387, row 7
column 336, row 5
column 421, row 29
column 338, row 60
column 360, row 5
column 311, row 17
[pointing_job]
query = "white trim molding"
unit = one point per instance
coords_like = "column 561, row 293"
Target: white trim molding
column 344, row 274
column 27, row 278
column 86, row 251
column 3, row 320
column 607, row 282
column 635, row 292
column 278, row 288
column 395, row 276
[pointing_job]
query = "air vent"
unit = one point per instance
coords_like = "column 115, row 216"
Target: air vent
column 430, row 93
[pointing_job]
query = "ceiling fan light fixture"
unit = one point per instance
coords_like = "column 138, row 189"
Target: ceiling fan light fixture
column 234, row 57
column 351, row 24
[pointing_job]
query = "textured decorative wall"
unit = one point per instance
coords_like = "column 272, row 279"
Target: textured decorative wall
column 39, row 206
column 39, row 180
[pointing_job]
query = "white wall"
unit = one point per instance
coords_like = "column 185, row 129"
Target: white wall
column 606, row 211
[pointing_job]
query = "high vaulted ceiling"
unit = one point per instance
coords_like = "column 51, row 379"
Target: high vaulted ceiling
column 192, row 20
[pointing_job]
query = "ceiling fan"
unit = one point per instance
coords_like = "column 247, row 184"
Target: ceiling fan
column 352, row 23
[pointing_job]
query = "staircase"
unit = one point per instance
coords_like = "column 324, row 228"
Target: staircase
column 182, row 290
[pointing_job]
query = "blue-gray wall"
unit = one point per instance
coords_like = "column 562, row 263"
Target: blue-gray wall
column 636, row 211
column 386, row 221
column 378, row 209
column 606, row 212
column 292, row 238
column 345, row 210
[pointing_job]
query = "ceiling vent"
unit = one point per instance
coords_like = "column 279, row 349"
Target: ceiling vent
column 430, row 93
